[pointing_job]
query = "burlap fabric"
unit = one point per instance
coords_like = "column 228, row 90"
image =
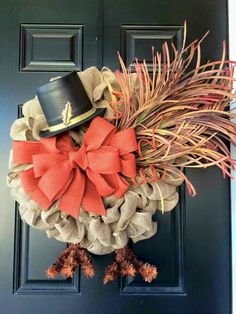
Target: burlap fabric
column 128, row 217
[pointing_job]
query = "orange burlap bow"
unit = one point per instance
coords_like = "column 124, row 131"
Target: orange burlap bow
column 76, row 176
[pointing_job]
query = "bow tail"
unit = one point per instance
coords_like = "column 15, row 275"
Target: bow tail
column 56, row 180
column 104, row 186
column 119, row 184
column 122, row 185
column 128, row 165
column 30, row 184
column 71, row 199
column 92, row 201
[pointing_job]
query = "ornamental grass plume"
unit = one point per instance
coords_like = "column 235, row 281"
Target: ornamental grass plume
column 180, row 112
column 127, row 264
column 69, row 259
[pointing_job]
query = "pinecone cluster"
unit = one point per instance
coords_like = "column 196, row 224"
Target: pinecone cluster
column 127, row 264
column 72, row 257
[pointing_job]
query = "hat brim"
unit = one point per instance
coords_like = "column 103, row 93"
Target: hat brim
column 48, row 133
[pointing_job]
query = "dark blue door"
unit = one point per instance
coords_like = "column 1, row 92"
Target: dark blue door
column 43, row 39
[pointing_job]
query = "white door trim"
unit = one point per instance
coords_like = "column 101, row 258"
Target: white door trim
column 232, row 55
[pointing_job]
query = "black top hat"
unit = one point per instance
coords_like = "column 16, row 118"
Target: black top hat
column 65, row 104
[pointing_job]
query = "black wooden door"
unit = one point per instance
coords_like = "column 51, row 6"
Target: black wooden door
column 42, row 39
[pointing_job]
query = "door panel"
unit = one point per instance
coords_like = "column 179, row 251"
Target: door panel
column 201, row 232
column 192, row 246
column 137, row 40
column 38, row 41
column 51, row 47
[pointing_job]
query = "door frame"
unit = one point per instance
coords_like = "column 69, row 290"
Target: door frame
column 232, row 55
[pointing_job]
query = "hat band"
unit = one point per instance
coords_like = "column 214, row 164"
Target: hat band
column 81, row 117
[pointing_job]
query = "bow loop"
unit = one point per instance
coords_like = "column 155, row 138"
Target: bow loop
column 98, row 133
column 43, row 162
column 125, row 141
column 50, row 144
column 23, row 153
column 63, row 143
column 105, row 160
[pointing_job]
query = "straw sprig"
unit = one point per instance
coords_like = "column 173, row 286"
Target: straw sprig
column 179, row 110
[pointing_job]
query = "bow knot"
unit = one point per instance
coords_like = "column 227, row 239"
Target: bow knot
column 73, row 159
column 78, row 176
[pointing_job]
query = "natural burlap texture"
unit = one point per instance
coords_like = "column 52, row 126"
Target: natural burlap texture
column 127, row 217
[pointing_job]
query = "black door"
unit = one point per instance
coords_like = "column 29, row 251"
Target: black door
column 43, row 39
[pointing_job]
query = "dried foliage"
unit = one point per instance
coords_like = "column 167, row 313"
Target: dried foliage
column 180, row 116
column 69, row 260
column 127, row 264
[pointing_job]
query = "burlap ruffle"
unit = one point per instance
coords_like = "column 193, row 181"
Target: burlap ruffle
column 127, row 217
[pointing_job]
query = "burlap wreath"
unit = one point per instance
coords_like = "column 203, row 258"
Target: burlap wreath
column 128, row 217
